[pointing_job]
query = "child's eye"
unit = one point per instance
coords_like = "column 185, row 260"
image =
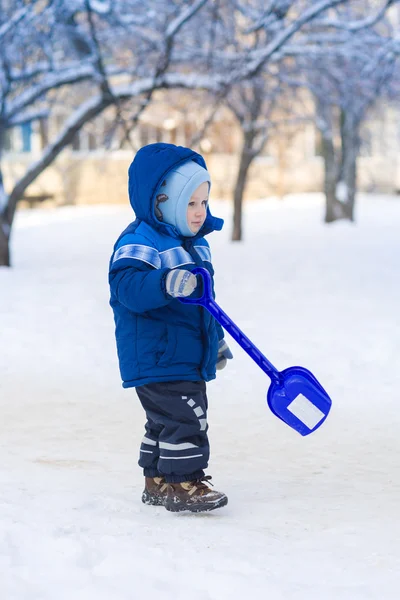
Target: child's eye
column 205, row 202
column 191, row 203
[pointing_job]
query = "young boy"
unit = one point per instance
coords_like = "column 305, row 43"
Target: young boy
column 167, row 350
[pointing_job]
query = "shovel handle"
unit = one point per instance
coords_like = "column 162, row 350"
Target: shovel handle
column 207, row 300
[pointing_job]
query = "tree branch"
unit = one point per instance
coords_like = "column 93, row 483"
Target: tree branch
column 15, row 19
column 358, row 24
column 173, row 28
column 260, row 57
column 88, row 111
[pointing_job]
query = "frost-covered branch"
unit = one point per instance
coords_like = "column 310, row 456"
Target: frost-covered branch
column 87, row 112
column 357, row 24
column 261, row 56
column 52, row 80
column 187, row 13
column 27, row 116
column 14, row 20
column 164, row 61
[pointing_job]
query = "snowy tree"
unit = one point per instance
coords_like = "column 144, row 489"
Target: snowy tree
column 253, row 103
column 256, row 35
column 348, row 67
column 49, row 49
column 298, row 41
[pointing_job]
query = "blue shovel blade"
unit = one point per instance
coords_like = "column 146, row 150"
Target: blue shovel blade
column 299, row 400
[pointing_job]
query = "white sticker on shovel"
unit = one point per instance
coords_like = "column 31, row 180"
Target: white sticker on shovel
column 306, row 411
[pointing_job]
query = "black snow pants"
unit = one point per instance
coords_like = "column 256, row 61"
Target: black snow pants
column 175, row 444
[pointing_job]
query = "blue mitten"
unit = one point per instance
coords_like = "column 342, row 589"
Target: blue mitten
column 224, row 354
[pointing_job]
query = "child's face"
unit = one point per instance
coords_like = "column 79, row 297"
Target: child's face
column 197, row 207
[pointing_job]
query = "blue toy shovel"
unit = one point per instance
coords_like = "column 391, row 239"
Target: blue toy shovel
column 294, row 396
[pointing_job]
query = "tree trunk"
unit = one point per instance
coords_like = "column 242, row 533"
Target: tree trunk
column 334, row 187
column 4, row 243
column 332, row 208
column 350, row 145
column 5, row 228
column 341, row 179
column 281, row 176
column 246, row 158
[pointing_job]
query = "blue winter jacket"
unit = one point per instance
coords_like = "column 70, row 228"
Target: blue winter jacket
column 159, row 338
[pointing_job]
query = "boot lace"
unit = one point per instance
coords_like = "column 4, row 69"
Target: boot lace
column 202, row 484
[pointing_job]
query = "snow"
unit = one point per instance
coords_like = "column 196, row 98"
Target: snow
column 100, row 6
column 72, row 73
column 342, row 192
column 308, row 518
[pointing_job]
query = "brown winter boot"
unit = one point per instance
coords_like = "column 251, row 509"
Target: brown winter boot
column 155, row 491
column 195, row 496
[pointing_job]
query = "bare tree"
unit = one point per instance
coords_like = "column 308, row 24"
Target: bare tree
column 253, row 104
column 119, row 50
column 256, row 35
column 347, row 76
column 312, row 35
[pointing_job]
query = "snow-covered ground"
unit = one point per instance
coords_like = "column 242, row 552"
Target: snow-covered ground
column 313, row 518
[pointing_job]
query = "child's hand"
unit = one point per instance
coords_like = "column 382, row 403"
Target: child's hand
column 180, row 283
column 224, row 354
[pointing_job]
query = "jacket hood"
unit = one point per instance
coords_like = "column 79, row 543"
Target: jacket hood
column 148, row 169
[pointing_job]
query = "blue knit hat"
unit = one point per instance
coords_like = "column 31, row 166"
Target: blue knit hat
column 174, row 193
